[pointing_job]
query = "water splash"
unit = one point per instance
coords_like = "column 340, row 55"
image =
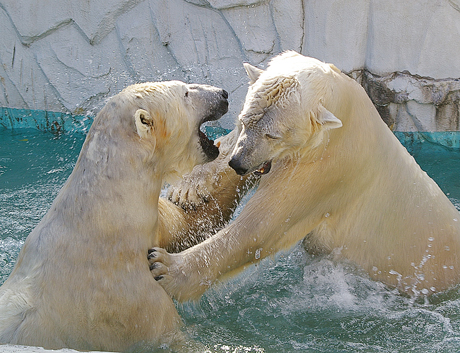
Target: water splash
column 292, row 303
column 302, row 303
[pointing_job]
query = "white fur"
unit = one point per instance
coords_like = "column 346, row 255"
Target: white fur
column 82, row 278
column 339, row 177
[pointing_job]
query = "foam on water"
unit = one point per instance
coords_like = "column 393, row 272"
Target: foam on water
column 301, row 303
column 293, row 302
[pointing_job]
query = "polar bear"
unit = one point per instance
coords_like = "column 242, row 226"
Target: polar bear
column 332, row 173
column 82, row 278
column 203, row 201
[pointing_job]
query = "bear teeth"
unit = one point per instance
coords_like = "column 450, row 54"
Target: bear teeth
column 264, row 169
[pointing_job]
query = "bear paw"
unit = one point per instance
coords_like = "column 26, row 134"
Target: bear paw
column 178, row 279
column 194, row 189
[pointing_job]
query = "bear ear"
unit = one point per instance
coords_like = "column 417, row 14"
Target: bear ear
column 144, row 123
column 327, row 119
column 253, row 72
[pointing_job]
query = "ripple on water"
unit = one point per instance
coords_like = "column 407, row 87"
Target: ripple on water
column 301, row 303
column 293, row 303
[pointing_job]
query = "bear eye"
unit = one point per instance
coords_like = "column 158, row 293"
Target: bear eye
column 272, row 137
column 186, row 94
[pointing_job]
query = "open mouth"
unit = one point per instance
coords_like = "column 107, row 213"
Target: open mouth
column 264, row 169
column 210, row 150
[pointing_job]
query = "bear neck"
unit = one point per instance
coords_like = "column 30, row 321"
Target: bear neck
column 111, row 193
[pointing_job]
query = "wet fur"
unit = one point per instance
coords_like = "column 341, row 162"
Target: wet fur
column 353, row 189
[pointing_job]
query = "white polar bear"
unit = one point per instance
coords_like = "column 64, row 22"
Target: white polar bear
column 331, row 171
column 82, row 279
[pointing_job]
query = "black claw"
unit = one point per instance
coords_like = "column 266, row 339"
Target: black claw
column 152, row 255
column 153, row 266
column 151, row 251
column 157, row 278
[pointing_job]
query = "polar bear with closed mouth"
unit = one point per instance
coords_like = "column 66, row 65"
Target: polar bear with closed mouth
column 332, row 173
column 82, row 278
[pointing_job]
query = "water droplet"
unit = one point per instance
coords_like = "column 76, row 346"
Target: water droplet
column 430, row 239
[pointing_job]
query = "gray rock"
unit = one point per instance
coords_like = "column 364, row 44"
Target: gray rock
column 68, row 56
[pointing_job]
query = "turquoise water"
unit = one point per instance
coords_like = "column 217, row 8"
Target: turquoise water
column 293, row 303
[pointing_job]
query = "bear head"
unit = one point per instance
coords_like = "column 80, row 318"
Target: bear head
column 163, row 119
column 283, row 112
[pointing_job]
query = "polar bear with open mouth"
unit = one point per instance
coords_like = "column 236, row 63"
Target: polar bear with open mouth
column 82, row 279
column 331, row 171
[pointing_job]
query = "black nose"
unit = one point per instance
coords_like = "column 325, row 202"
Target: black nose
column 237, row 167
column 224, row 94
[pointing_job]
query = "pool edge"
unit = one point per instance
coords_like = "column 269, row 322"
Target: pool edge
column 58, row 122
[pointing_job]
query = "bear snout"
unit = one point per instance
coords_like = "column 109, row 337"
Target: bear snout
column 236, row 165
column 218, row 106
column 224, row 102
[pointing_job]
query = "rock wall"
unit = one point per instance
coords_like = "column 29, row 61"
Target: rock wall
column 70, row 55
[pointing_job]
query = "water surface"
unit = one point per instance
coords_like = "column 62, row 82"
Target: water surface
column 292, row 303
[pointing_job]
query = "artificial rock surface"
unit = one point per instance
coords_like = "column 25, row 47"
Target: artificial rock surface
column 70, row 55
